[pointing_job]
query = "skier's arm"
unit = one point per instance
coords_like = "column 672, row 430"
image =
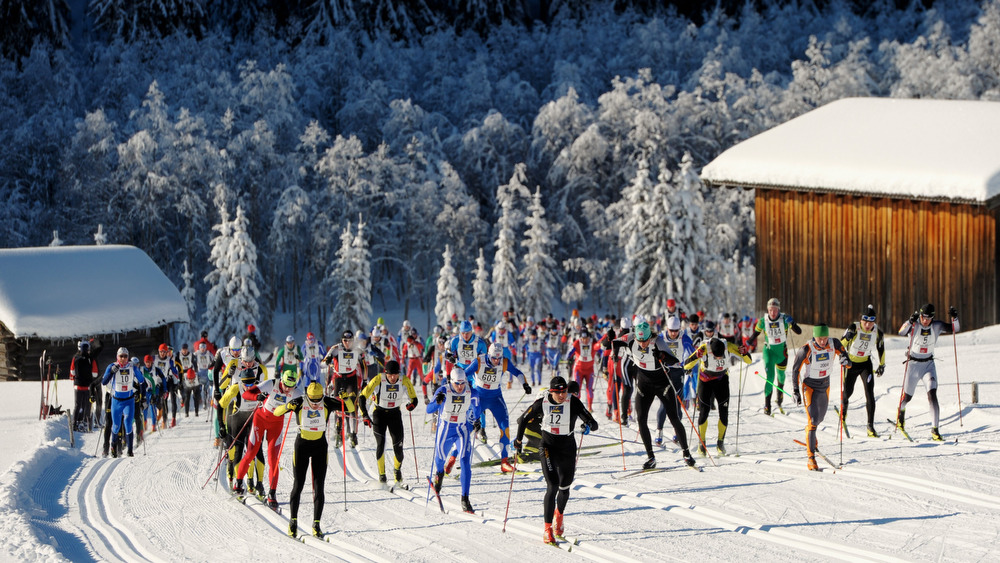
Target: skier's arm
column 880, row 347
column 577, row 408
column 291, row 406
column 735, row 349
column 849, row 334
column 229, row 395
column 410, row 391
column 528, row 416
column 108, row 374
column 801, row 359
column 695, row 357
column 434, row 406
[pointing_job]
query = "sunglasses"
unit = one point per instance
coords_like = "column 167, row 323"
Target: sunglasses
column 868, row 319
column 123, row 356
column 559, row 391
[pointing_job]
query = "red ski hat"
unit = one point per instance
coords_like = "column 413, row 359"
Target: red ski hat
column 671, row 303
column 251, row 328
column 147, row 359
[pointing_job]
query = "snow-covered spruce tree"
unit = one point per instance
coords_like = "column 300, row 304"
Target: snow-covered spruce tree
column 506, row 293
column 101, row 238
column 244, row 277
column 633, row 217
column 538, row 273
column 449, row 297
column 56, row 241
column 186, row 332
column 349, row 282
column 231, row 301
column 482, row 294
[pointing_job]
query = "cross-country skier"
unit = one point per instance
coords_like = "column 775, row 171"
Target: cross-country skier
column 289, row 357
column 586, row 351
column 921, row 361
column 534, row 351
column 657, row 374
column 465, row 348
column 713, row 383
column 817, row 358
column 680, row 345
column 486, row 374
column 312, row 412
column 124, row 380
column 344, row 363
column 413, row 354
column 458, row 405
column 83, row 372
column 863, row 340
column 164, row 361
column 557, row 411
column 388, row 391
column 267, row 426
column 775, row 326
column 313, row 352
column 239, row 401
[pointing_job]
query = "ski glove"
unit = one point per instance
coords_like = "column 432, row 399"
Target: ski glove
column 477, row 426
column 412, row 404
column 368, row 421
column 217, row 395
column 879, row 371
column 585, row 428
column 527, row 389
column 798, row 397
column 953, row 312
column 518, row 446
column 450, row 357
column 845, row 361
column 914, row 317
column 439, row 398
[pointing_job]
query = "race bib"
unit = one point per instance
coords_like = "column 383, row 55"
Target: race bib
column 313, row 420
column 456, row 407
column 489, row 377
column 555, row 419
column 390, row 394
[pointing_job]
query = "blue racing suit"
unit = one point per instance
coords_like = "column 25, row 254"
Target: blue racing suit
column 454, row 429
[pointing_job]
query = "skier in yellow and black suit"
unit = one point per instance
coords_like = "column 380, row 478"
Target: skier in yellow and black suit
column 713, row 377
column 864, row 341
column 241, row 376
column 312, row 415
column 386, row 391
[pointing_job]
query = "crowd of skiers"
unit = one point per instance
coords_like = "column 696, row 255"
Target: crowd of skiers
column 461, row 369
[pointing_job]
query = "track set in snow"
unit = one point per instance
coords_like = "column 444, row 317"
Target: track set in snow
column 892, row 500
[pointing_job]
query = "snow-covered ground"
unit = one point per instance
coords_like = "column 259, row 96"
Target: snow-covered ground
column 893, row 500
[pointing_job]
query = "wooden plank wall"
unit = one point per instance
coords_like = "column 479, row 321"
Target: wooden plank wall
column 20, row 362
column 826, row 256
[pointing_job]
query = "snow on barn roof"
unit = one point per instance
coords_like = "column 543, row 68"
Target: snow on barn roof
column 904, row 148
column 75, row 291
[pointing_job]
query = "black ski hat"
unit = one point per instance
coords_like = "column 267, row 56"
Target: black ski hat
column 392, row 366
column 869, row 312
column 927, row 310
column 558, row 383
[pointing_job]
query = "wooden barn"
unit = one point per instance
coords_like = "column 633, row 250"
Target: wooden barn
column 869, row 200
column 51, row 298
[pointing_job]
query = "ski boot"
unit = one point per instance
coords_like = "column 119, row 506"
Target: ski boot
column 901, row 420
column 659, row 437
column 438, row 480
column 557, row 526
column 293, row 527
column 650, row 463
column 871, row 432
column 354, row 439
column 173, row 422
column 688, row 459
column 505, row 466
column 260, row 490
column 382, row 480
column 238, row 489
column 935, row 435
column 116, row 446
column 399, row 476
column 811, row 464
column 272, row 500
column 467, row 506
column 316, row 529
column 128, row 441
column 720, row 447
column 767, row 405
column 702, row 451
column 449, row 465
column 548, row 536
column 607, row 413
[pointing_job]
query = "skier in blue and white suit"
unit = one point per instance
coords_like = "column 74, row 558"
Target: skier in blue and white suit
column 458, row 406
column 486, row 376
column 124, row 379
column 465, row 348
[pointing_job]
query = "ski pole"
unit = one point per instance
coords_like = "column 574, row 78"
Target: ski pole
column 621, row 433
column 842, row 371
column 580, row 445
column 288, row 424
column 343, row 443
column 224, row 450
column 774, row 385
column 413, row 441
column 739, row 403
column 509, row 491
column 906, row 367
column 954, row 343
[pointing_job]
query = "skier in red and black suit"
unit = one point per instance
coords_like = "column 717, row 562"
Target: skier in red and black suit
column 557, row 412
column 83, row 372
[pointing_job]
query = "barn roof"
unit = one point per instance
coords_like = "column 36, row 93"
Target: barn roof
column 75, row 291
column 904, row 148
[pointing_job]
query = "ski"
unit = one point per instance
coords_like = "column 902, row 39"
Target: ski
column 571, row 541
column 515, row 473
column 637, row 473
column 901, row 429
column 819, row 453
column 781, row 410
column 842, row 423
column 399, row 485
